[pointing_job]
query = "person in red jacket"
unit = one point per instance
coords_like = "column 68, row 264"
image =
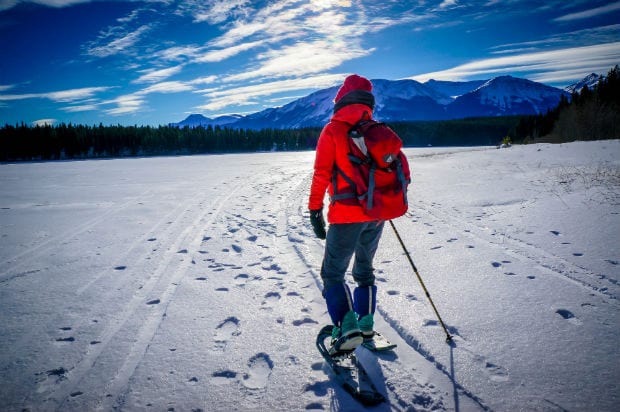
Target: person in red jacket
column 351, row 232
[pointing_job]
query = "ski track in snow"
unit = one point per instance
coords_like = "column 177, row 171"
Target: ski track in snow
column 215, row 301
column 520, row 249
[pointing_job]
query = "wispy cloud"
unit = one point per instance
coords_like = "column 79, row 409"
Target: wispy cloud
column 135, row 102
column 63, row 96
column 166, row 87
column 447, row 4
column 218, row 55
column 7, row 4
column 44, row 122
column 212, row 11
column 301, row 59
column 153, row 76
column 550, row 66
column 586, row 14
column 577, row 38
column 81, row 108
column 120, row 43
column 300, row 38
column 204, row 80
column 290, row 41
column 179, row 53
column 220, row 98
column 126, row 104
column 217, row 11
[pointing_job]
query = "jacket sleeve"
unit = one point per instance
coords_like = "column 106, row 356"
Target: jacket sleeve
column 323, row 169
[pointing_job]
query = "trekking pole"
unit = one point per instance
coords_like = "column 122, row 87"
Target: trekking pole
column 415, row 270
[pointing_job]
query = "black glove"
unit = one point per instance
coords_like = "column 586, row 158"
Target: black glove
column 318, row 223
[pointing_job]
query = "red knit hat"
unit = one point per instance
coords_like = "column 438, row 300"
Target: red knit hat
column 353, row 82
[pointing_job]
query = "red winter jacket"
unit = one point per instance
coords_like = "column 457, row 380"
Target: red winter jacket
column 332, row 149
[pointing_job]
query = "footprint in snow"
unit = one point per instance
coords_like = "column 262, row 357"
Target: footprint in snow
column 496, row 373
column 275, row 267
column 496, row 264
column 272, row 296
column 225, row 331
column 305, row 321
column 318, row 388
column 569, row 316
column 555, row 232
column 259, row 371
column 243, row 276
column 223, row 377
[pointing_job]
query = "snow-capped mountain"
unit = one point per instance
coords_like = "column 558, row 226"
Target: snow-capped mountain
column 195, row 120
column 312, row 110
column 589, row 81
column 454, row 89
column 407, row 100
column 504, row 96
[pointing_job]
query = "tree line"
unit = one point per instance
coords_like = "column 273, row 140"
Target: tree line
column 589, row 114
column 68, row 141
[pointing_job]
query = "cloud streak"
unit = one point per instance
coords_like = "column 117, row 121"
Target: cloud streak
column 550, row 66
column 135, row 102
column 586, row 14
column 8, row 4
column 63, row 96
column 220, row 98
column 153, row 76
column 120, row 44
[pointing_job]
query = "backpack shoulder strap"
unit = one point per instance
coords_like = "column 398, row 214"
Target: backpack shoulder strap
column 340, row 196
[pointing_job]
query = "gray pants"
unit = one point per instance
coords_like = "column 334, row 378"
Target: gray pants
column 344, row 240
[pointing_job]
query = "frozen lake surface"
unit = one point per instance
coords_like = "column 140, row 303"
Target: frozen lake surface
column 193, row 283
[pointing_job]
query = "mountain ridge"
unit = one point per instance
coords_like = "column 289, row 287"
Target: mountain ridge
column 408, row 100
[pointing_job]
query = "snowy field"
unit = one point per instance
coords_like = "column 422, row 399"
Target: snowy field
column 191, row 284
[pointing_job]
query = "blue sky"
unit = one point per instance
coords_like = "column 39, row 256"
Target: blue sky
column 154, row 62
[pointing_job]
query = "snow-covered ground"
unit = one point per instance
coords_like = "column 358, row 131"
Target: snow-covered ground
column 191, row 283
